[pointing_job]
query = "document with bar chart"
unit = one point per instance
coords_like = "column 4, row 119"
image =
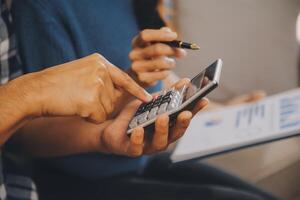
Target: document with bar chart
column 231, row 128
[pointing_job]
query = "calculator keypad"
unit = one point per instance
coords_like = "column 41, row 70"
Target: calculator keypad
column 162, row 109
column 163, row 102
column 153, row 112
column 143, row 117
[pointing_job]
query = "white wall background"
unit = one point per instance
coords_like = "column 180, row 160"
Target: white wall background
column 257, row 41
column 255, row 38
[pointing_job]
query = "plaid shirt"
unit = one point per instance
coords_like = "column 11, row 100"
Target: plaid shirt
column 9, row 61
column 13, row 186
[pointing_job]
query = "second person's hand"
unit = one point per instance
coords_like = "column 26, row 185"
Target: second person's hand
column 151, row 60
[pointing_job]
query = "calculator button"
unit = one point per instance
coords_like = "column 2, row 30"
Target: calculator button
column 138, row 113
column 175, row 99
column 133, row 123
column 178, row 98
column 157, row 104
column 143, row 117
column 163, row 108
column 140, row 116
column 159, row 97
column 177, row 94
column 172, row 105
column 166, row 100
column 148, row 107
column 167, row 96
column 153, row 113
column 140, row 109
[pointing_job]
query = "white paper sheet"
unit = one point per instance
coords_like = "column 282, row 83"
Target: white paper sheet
column 237, row 126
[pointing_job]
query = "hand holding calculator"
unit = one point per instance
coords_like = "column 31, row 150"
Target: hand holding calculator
column 176, row 100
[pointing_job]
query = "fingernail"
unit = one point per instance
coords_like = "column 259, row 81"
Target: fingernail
column 138, row 138
column 183, row 53
column 170, row 60
column 172, row 34
column 167, row 29
column 206, row 101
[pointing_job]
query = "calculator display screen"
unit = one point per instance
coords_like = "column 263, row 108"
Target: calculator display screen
column 200, row 81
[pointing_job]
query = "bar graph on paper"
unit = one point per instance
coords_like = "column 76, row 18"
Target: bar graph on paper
column 289, row 112
column 270, row 119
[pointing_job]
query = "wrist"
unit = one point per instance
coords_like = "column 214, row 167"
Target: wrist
column 102, row 146
column 27, row 94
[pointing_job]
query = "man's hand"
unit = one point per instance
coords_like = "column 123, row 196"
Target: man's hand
column 88, row 87
column 115, row 140
column 151, row 60
column 72, row 135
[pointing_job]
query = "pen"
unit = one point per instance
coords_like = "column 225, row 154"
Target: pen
column 183, row 45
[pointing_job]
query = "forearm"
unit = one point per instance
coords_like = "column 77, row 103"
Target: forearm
column 15, row 107
column 59, row 136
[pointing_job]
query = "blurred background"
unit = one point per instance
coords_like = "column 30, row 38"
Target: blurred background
column 257, row 41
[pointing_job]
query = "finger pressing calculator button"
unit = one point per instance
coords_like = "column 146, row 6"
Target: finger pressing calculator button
column 143, row 117
column 133, row 123
column 163, row 108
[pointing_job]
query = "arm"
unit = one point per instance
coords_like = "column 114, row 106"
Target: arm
column 59, row 136
column 65, row 136
column 16, row 106
column 88, row 88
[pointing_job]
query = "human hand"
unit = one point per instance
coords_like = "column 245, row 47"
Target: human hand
column 115, row 140
column 151, row 60
column 87, row 87
column 68, row 135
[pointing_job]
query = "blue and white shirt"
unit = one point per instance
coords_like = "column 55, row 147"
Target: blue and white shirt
column 13, row 186
column 9, row 61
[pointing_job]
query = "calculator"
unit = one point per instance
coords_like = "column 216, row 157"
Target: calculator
column 174, row 101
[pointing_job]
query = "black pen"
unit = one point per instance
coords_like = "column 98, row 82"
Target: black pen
column 183, row 45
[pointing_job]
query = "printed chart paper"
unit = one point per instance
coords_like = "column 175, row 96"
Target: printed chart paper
column 234, row 127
